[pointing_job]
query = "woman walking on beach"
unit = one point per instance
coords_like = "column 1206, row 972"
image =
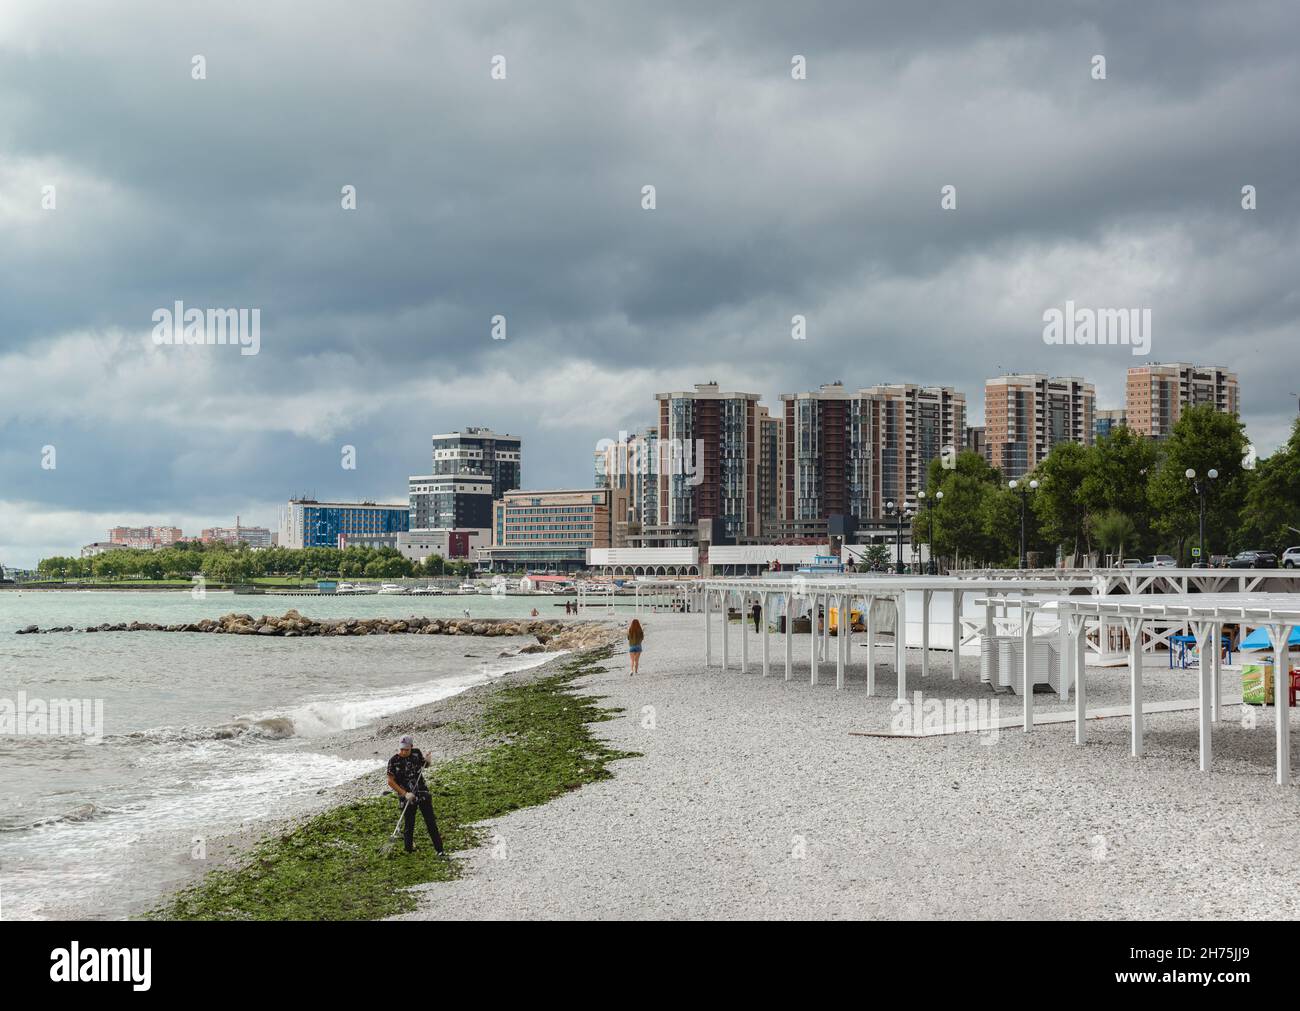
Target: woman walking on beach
column 635, row 637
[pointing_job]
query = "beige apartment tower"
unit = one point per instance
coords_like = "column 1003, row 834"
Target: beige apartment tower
column 1025, row 415
column 1156, row 394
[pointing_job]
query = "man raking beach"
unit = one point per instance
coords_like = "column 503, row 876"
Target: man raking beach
column 406, row 780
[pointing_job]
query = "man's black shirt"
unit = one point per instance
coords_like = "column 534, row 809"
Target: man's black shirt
column 407, row 773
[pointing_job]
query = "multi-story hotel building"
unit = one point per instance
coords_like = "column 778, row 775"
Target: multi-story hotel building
column 470, row 470
column 1156, row 394
column 480, row 452
column 306, row 523
column 713, row 443
column 550, row 530
column 1025, row 415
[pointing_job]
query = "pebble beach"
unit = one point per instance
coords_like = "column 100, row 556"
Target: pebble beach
column 764, row 798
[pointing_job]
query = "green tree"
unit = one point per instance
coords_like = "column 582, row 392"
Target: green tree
column 1060, row 505
column 1123, row 465
column 1270, row 516
column 1113, row 530
column 1202, row 439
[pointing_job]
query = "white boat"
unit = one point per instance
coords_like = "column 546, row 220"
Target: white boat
column 349, row 589
column 426, row 591
column 467, row 588
column 392, row 588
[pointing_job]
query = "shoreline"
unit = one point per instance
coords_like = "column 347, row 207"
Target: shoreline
column 446, row 730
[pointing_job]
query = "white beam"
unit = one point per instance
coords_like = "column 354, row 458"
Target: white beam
column 956, row 634
column 900, row 643
column 1026, row 649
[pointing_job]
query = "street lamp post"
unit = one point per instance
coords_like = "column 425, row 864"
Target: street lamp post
column 898, row 510
column 1024, row 490
column 1202, row 489
column 928, row 504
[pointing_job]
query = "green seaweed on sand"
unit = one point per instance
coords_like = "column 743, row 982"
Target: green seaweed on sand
column 331, row 867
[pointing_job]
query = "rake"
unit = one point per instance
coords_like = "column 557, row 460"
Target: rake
column 386, row 848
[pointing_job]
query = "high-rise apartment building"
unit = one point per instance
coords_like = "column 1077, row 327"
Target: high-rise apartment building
column 1025, row 415
column 914, row 426
column 848, row 453
column 480, row 452
column 1156, row 394
column 711, row 441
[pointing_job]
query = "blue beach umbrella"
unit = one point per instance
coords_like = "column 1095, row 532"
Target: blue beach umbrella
column 1258, row 639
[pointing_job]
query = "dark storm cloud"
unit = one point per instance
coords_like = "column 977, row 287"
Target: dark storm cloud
column 522, row 197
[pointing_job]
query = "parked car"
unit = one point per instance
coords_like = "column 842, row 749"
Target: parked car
column 1164, row 562
column 1131, row 563
column 1290, row 558
column 1253, row 560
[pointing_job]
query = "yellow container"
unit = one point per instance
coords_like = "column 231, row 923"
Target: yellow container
column 855, row 618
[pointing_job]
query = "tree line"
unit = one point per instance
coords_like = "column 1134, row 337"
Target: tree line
column 1126, row 496
column 222, row 563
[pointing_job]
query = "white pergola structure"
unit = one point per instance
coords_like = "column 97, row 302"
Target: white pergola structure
column 1205, row 614
column 845, row 593
column 1158, row 580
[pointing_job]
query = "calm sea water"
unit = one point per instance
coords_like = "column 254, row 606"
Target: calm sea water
column 201, row 734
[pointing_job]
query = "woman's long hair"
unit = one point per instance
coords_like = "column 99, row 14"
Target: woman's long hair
column 634, row 628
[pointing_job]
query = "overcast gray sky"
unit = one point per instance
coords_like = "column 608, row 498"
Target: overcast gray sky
column 522, row 197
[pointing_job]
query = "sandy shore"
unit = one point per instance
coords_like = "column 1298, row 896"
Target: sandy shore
column 757, row 798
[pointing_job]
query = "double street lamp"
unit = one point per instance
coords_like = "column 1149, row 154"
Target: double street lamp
column 1201, row 486
column 897, row 509
column 1024, row 490
column 928, row 504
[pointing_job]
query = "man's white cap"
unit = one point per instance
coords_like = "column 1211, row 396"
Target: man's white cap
column 407, row 741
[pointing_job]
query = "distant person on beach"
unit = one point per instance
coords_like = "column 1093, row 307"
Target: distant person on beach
column 756, row 612
column 405, row 779
column 635, row 638
column 534, row 612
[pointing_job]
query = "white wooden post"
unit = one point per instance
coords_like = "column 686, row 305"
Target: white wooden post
column 956, row 634
column 841, row 634
column 1078, row 645
column 1281, row 637
column 1204, row 632
column 871, row 647
column 1216, row 670
column 1026, row 649
column 926, row 597
column 708, row 631
column 789, row 633
column 814, row 637
column 744, row 631
column 1134, row 628
column 726, row 631
column 900, row 643
column 1065, row 669
column 767, row 666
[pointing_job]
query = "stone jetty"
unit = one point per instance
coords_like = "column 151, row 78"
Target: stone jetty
column 551, row 635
